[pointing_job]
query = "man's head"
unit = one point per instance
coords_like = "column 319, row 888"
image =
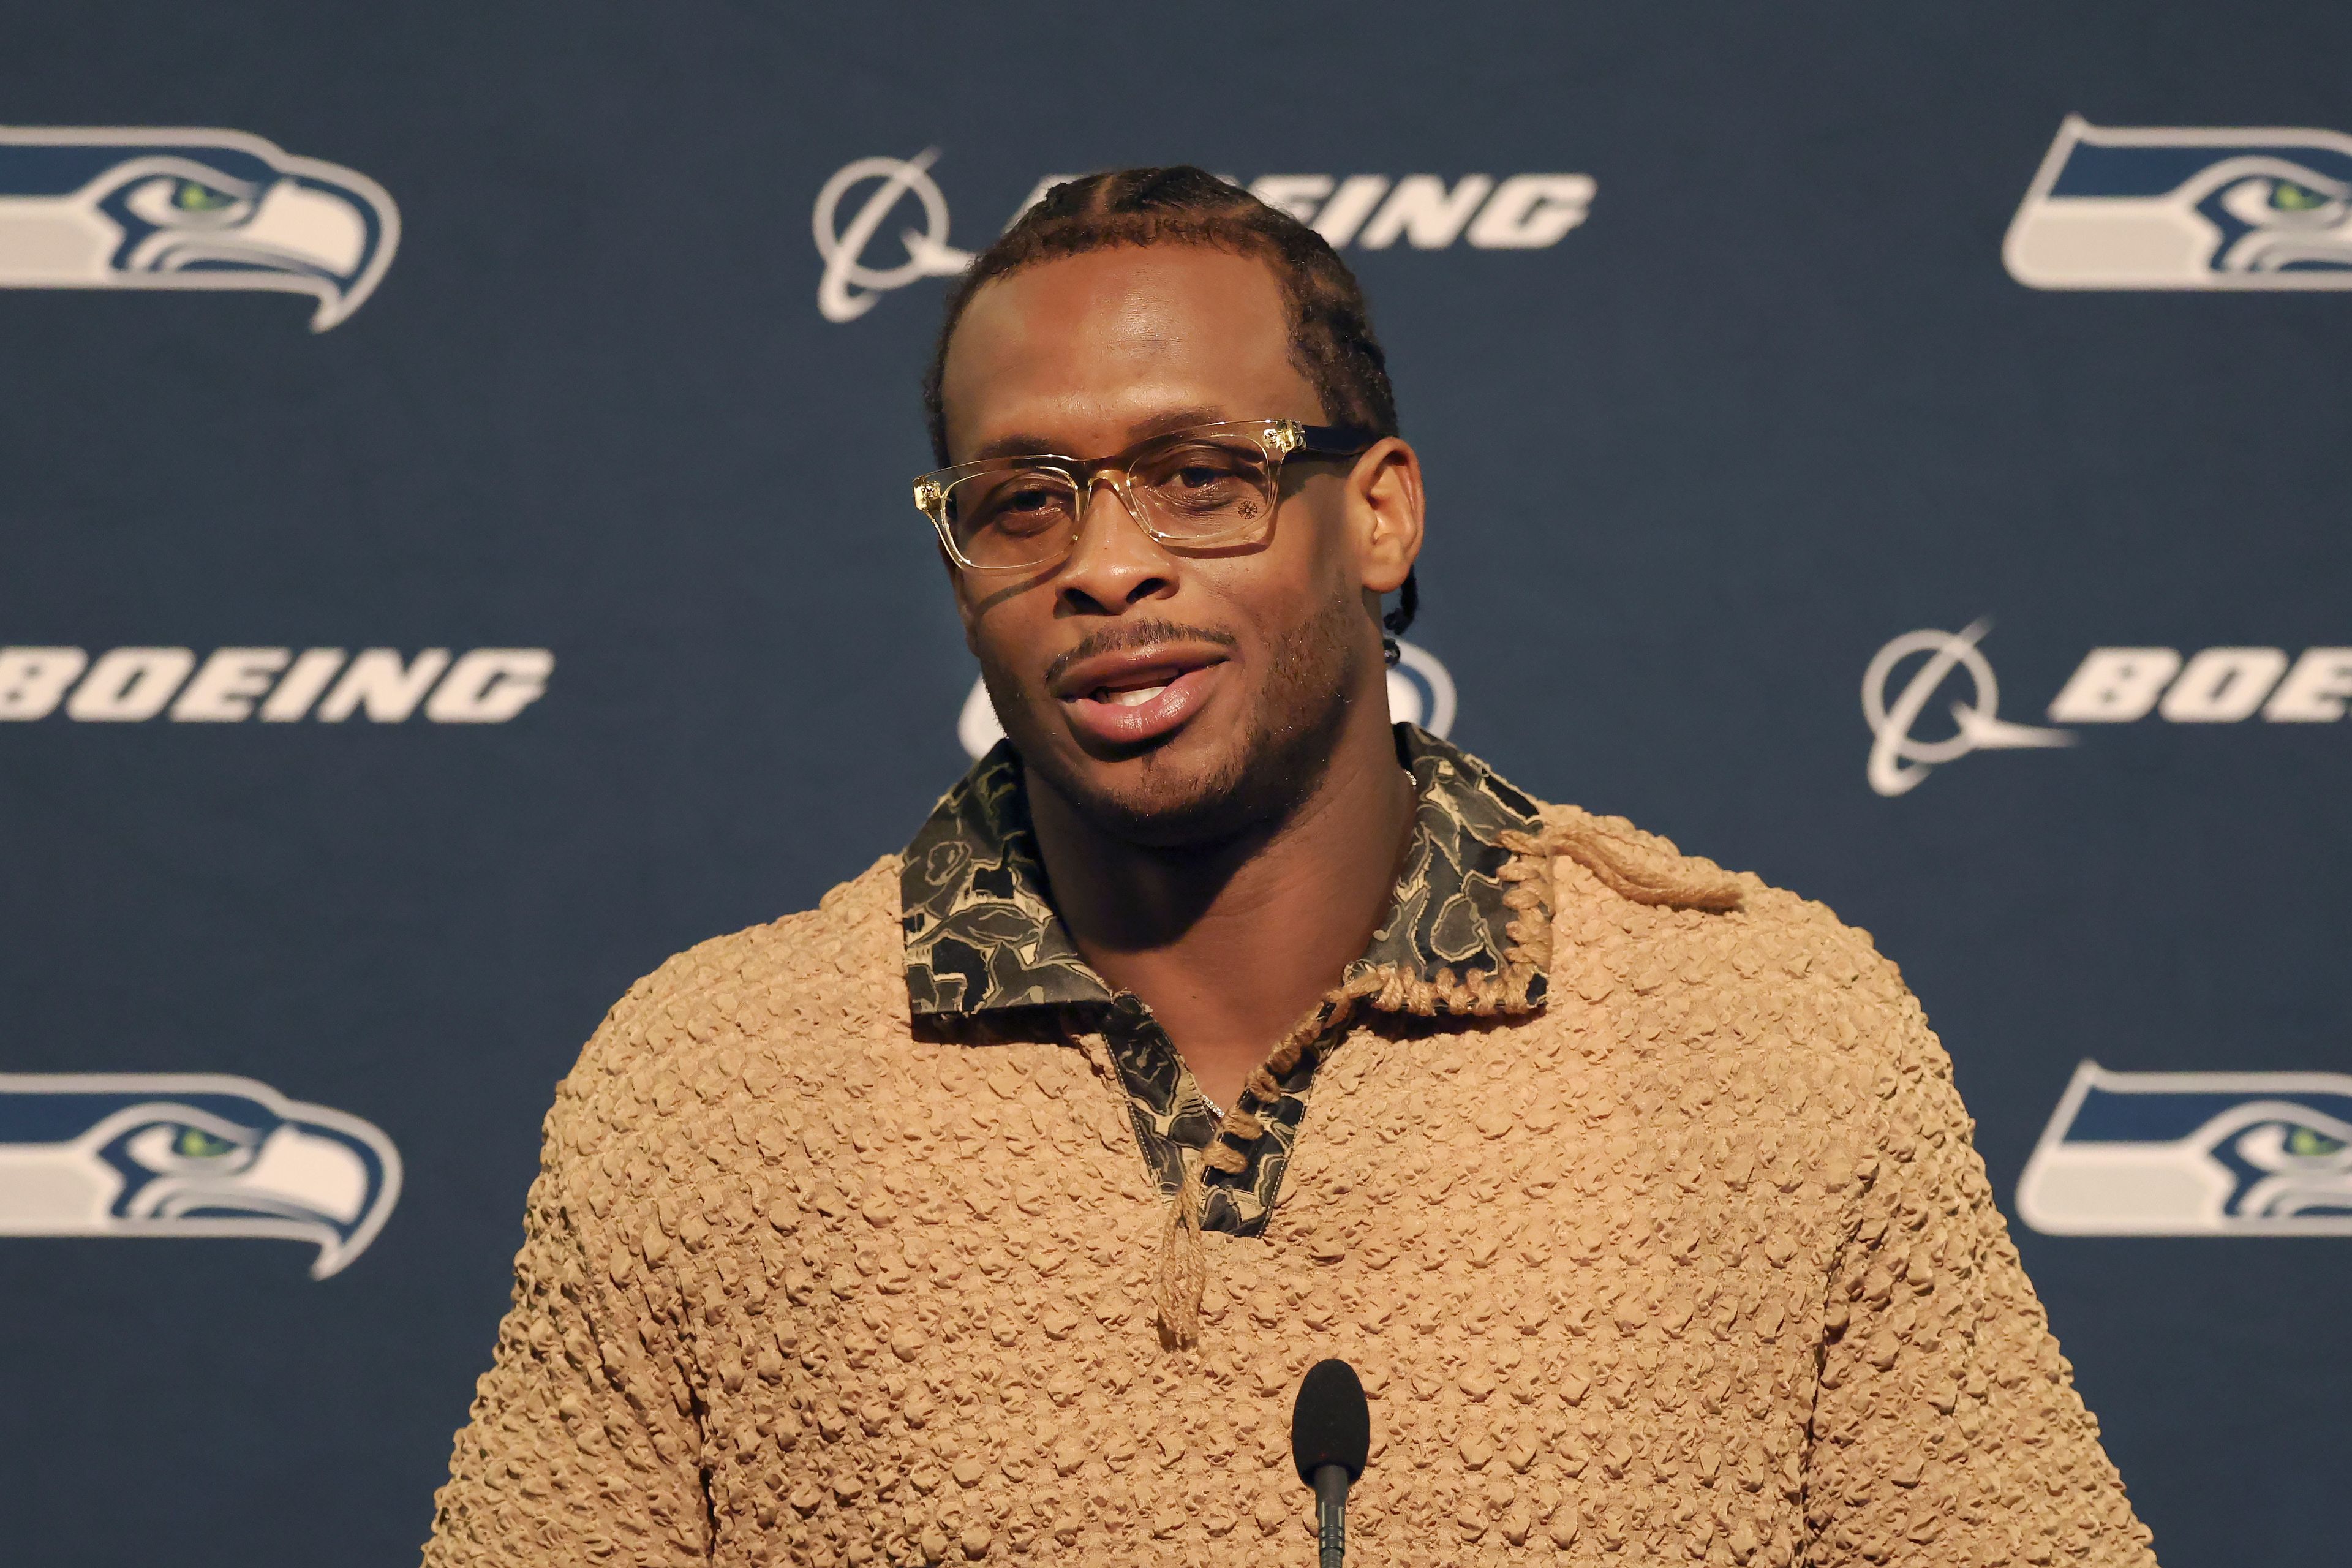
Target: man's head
column 1170, row 694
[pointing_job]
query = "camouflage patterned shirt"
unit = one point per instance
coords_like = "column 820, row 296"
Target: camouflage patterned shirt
column 984, row 944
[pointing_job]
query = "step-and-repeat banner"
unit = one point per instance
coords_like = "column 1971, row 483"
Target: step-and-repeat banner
column 455, row 551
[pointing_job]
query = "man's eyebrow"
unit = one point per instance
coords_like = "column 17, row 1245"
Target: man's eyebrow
column 1019, row 445
column 1174, row 419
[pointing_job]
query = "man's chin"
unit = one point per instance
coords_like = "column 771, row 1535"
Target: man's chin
column 1163, row 796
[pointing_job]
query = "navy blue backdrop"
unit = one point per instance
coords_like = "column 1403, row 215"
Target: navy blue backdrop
column 455, row 551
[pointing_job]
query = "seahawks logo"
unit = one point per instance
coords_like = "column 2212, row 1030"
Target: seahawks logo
column 2119, row 207
column 189, row 1155
column 2194, row 1153
column 130, row 207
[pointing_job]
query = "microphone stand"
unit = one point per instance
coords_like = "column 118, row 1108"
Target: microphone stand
column 1331, row 1514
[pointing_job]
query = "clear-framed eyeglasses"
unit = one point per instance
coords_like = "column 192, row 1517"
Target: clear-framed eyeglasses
column 1208, row 486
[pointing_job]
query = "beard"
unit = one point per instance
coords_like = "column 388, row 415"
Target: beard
column 1256, row 778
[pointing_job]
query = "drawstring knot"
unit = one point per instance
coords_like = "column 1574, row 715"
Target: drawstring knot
column 1183, row 1269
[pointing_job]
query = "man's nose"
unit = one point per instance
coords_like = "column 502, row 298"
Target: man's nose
column 1113, row 561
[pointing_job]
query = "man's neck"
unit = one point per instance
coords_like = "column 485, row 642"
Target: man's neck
column 1231, row 944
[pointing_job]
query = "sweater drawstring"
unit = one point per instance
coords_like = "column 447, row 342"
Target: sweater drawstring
column 1642, row 872
column 1183, row 1266
column 1181, row 1278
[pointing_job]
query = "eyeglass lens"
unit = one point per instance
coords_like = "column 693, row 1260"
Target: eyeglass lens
column 1193, row 489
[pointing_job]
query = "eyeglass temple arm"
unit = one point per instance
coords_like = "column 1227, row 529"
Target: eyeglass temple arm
column 1334, row 440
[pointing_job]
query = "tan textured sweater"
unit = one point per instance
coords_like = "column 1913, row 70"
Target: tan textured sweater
column 1693, row 1263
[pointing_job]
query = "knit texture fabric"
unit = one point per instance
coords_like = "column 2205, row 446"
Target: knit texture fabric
column 1694, row 1264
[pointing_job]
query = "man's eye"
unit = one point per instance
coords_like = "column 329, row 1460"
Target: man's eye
column 1025, row 508
column 1194, row 467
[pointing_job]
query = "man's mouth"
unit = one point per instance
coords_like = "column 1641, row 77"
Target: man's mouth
column 1137, row 695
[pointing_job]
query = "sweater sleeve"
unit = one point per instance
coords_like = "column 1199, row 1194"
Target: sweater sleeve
column 581, row 1448
column 1946, row 1429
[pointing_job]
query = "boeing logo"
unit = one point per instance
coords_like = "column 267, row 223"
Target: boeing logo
column 868, row 247
column 275, row 685
column 2194, row 1153
column 1899, row 760
column 1421, row 692
column 849, row 287
column 2172, row 208
column 134, row 208
column 2111, row 686
column 189, row 1155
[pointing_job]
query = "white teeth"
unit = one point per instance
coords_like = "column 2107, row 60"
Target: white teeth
column 1136, row 697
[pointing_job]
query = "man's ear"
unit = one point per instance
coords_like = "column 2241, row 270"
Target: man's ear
column 1385, row 512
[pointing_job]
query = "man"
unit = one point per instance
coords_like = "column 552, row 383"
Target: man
column 993, row 1209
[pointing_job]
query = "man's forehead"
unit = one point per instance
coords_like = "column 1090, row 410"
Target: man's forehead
column 1115, row 339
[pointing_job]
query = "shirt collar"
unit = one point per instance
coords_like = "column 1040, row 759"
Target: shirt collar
column 981, row 932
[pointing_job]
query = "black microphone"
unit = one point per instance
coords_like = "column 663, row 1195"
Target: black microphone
column 1330, row 1435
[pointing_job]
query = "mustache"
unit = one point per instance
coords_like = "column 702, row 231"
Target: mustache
column 1139, row 633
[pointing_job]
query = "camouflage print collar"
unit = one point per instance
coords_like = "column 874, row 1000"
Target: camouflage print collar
column 981, row 932
column 982, row 937
column 1447, row 921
